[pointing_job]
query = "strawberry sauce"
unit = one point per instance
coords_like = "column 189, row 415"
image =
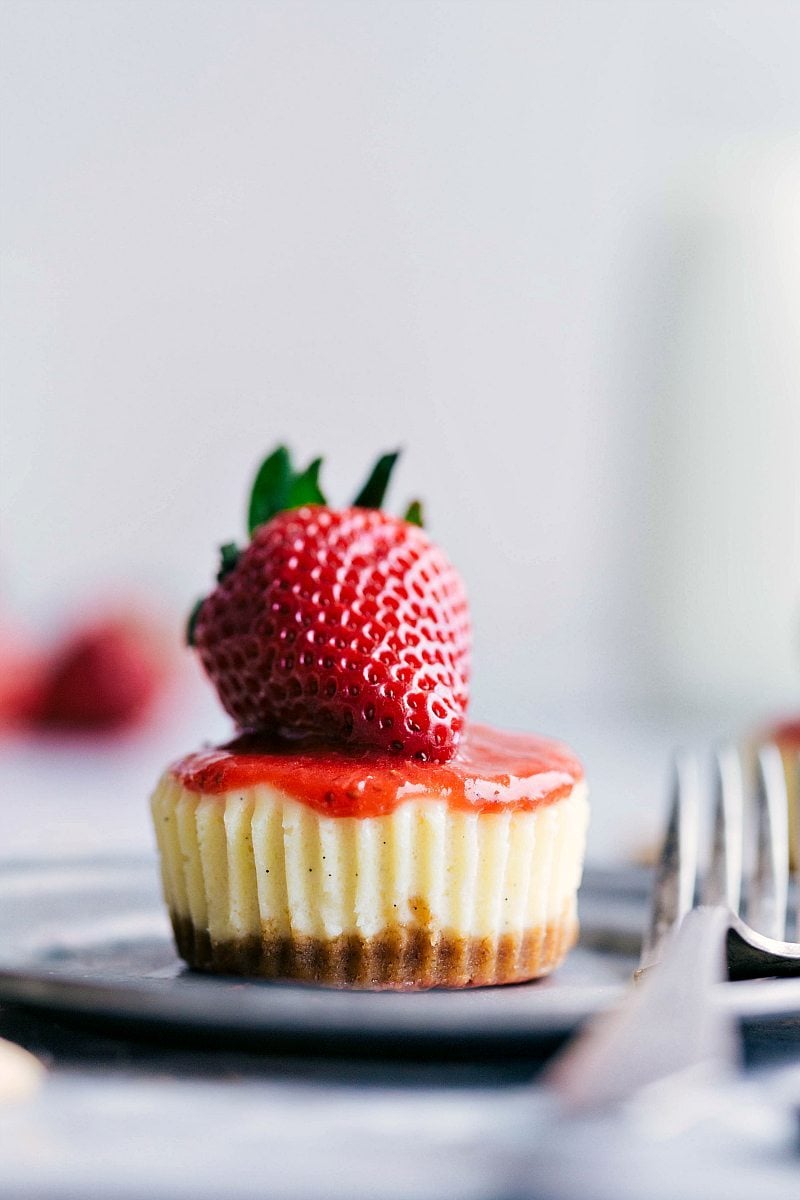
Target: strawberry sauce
column 491, row 771
column 787, row 735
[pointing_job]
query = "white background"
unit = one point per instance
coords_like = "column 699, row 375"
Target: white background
column 549, row 248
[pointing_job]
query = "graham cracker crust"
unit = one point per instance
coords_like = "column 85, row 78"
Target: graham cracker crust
column 403, row 958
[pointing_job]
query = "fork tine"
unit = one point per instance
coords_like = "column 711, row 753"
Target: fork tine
column 676, row 873
column 766, row 906
column 723, row 881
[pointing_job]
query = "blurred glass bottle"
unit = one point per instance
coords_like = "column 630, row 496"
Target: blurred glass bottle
column 724, row 538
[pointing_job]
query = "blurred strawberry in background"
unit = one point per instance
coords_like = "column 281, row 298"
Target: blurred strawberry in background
column 105, row 676
column 20, row 675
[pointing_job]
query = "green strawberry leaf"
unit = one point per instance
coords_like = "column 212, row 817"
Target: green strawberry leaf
column 269, row 488
column 414, row 514
column 191, row 624
column 229, row 556
column 304, row 488
column 374, row 490
column 278, row 486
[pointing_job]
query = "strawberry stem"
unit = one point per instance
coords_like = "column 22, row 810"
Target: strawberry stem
column 277, row 486
column 304, row 488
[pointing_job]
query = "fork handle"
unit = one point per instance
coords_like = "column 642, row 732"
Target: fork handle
column 667, row 1023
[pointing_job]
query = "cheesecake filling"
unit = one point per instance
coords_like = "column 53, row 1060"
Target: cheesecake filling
column 257, row 863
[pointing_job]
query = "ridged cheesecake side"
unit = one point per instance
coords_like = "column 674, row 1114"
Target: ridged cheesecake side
column 259, row 883
column 786, row 736
column 790, row 753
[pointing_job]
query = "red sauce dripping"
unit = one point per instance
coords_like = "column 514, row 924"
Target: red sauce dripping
column 491, row 771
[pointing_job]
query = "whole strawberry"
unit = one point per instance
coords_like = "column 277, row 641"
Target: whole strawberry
column 341, row 625
column 105, row 677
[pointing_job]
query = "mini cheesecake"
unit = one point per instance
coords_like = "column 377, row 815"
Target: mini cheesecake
column 356, row 868
column 786, row 737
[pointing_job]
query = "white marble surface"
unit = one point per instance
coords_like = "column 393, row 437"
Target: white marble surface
column 122, row 1135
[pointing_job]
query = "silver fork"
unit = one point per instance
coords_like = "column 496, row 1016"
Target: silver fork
column 672, row 1023
column 756, row 948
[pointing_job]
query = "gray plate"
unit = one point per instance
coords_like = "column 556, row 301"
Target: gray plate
column 91, row 938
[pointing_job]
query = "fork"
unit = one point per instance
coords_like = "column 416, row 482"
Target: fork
column 672, row 1023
